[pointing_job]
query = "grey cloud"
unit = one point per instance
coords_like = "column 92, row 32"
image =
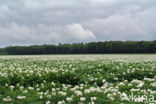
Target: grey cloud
column 125, row 26
column 59, row 11
column 43, row 21
column 14, row 33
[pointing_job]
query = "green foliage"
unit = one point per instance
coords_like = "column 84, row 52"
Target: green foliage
column 84, row 48
column 55, row 78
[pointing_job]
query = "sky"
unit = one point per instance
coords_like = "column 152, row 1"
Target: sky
column 34, row 22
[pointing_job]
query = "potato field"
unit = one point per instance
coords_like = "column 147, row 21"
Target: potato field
column 78, row 79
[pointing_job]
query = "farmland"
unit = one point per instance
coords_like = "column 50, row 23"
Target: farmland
column 78, row 79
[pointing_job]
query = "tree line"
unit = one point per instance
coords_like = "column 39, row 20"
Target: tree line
column 84, row 48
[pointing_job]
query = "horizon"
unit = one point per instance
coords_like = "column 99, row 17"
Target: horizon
column 56, row 44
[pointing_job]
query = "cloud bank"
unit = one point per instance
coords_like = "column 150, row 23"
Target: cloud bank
column 28, row 22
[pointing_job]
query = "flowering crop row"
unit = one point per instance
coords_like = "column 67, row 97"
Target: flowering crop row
column 78, row 79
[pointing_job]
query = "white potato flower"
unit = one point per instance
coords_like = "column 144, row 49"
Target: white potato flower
column 82, row 99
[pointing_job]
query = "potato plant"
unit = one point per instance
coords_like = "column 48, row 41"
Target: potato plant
column 78, row 79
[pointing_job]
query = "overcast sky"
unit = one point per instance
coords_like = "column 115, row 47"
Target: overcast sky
column 28, row 22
